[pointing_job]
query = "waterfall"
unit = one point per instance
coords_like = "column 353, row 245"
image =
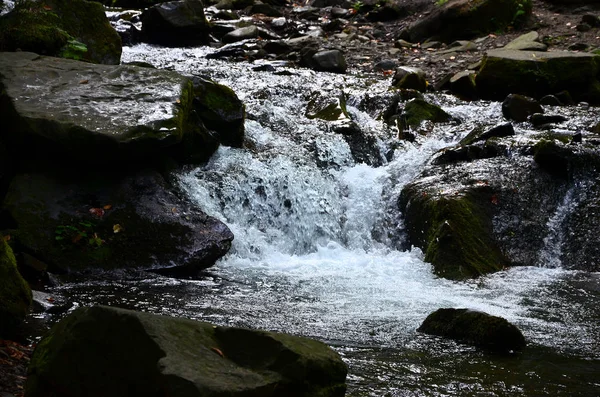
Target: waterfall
column 551, row 252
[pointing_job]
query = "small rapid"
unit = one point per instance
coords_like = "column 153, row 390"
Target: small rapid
column 317, row 252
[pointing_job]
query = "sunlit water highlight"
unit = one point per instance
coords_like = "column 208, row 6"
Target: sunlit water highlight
column 314, row 254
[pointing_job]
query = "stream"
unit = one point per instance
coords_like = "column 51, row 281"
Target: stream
column 316, row 249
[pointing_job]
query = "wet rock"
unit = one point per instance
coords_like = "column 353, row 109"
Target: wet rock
column 327, row 108
column 265, row 9
column 15, row 294
column 176, row 24
column 474, row 327
column 409, row 78
column 329, row 61
column 519, row 107
column 455, row 230
column 460, row 19
column 583, row 27
column 386, row 64
column 550, row 100
column 83, row 117
column 114, row 351
column 498, row 131
column 72, row 29
column 527, row 42
column 536, row 73
column 538, row 119
column 365, row 147
column 418, row 110
column 463, row 85
column 245, row 33
column 220, row 111
column 75, row 220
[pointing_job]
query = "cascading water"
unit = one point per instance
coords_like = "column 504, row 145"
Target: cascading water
column 314, row 255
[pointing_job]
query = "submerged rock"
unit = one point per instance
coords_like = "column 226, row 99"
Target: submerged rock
column 75, row 220
column 103, row 351
column 15, row 294
column 474, row 327
column 536, row 74
column 75, row 29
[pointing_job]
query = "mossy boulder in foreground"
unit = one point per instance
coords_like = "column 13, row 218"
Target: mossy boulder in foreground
column 15, row 295
column 102, row 351
column 537, row 73
column 474, row 327
column 54, row 27
column 103, row 115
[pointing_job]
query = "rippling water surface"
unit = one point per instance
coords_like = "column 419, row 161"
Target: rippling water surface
column 315, row 251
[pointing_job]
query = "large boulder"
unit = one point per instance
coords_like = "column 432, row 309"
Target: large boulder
column 464, row 19
column 74, row 220
column 474, row 327
column 176, row 23
column 537, row 73
column 102, row 351
column 487, row 203
column 106, row 116
column 15, row 294
column 70, row 28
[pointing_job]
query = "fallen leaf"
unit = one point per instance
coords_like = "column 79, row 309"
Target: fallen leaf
column 219, row 352
column 494, row 199
column 84, row 81
column 117, row 228
column 50, row 299
column 97, row 212
column 107, row 207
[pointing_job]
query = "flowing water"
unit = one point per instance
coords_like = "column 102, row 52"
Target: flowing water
column 316, row 250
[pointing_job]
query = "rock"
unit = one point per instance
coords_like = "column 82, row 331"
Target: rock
column 519, row 107
column 74, row 220
column 498, row 131
column 329, row 61
column 474, row 327
column 591, row 20
column 365, row 147
column 84, row 117
column 15, row 294
column 220, row 110
column 176, row 24
column 75, row 29
column 418, row 110
column 409, row 78
column 462, row 85
column 583, row 27
column 327, row 108
column 265, row 9
column 104, row 351
column 550, row 100
column 527, row 42
column 245, row 33
column 535, row 74
column 481, row 208
column 538, row 119
column 460, row 19
column 455, row 231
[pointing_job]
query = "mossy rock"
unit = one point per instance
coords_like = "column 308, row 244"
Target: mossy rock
column 15, row 294
column 53, row 27
column 454, row 231
column 74, row 220
column 220, row 110
column 474, row 327
column 536, row 74
column 102, row 351
column 465, row 19
column 327, row 108
column 418, row 110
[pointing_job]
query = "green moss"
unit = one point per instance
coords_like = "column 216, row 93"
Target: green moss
column 455, row 232
column 31, row 27
column 418, row 110
column 15, row 294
